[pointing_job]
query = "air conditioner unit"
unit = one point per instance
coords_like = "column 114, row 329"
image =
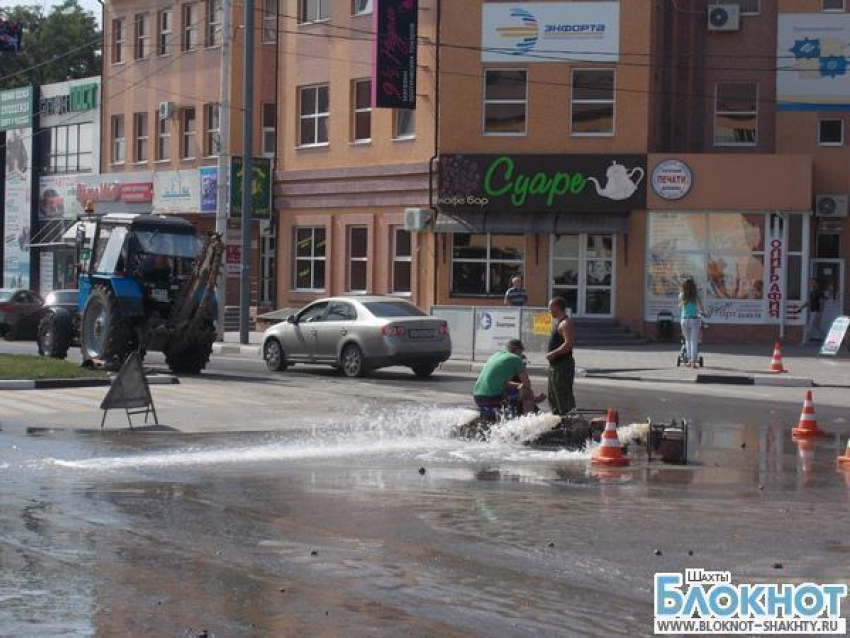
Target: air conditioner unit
column 166, row 110
column 724, row 17
column 831, row 205
column 416, row 219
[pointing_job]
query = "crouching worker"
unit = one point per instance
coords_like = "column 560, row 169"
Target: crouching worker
column 504, row 380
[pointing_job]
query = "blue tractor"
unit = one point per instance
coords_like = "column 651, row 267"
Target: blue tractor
column 146, row 283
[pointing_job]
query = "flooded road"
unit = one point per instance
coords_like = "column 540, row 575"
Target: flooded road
column 381, row 524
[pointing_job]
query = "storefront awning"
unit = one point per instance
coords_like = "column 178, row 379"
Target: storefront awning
column 53, row 234
column 522, row 222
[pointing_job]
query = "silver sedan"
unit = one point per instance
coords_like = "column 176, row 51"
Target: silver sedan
column 359, row 334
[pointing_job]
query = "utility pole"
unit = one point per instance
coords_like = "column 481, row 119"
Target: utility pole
column 222, row 192
column 247, row 155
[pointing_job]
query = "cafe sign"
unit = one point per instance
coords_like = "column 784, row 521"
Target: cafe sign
column 556, row 183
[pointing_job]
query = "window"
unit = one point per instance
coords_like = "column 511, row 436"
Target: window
column 309, row 258
column 269, row 126
column 117, row 139
column 361, row 7
column 313, row 10
column 313, row 115
column 483, row 265
column 214, row 19
column 189, row 40
column 748, row 7
column 141, row 37
column 67, row 149
column 341, row 311
column 362, row 110
column 117, row 41
column 404, row 124
column 831, row 132
column 187, row 144
column 140, row 134
column 270, row 21
column 212, row 139
column 592, row 102
column 163, row 22
column 504, row 102
column 163, row 138
column 358, row 258
column 736, row 114
column 833, row 5
column 402, row 261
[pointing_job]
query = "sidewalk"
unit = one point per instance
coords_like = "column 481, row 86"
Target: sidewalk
column 656, row 363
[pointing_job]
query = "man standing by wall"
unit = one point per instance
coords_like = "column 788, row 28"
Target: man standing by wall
column 562, row 367
column 516, row 295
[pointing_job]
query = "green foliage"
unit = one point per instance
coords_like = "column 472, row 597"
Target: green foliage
column 64, row 45
column 28, row 367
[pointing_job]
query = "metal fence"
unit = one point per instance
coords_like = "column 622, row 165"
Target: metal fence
column 479, row 331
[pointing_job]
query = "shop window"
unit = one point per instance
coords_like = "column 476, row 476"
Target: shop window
column 504, row 101
column 117, row 128
column 833, row 5
column 483, row 265
column 270, row 21
column 358, row 258
column 141, row 36
column 736, row 114
column 164, row 28
column 163, row 138
column 404, row 124
column 361, row 7
column 188, row 130
column 118, row 41
column 314, row 114
column 592, row 102
column 269, row 126
column 140, row 137
column 189, row 27
column 402, row 261
column 67, row 149
column 361, row 110
column 831, row 132
column 310, row 245
column 214, row 21
column 212, row 141
column 313, row 10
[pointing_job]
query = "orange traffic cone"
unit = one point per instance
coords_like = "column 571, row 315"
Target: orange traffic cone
column 808, row 425
column 844, row 461
column 776, row 361
column 806, row 451
column 610, row 451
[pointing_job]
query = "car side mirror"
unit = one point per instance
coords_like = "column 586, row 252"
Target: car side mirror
column 292, row 319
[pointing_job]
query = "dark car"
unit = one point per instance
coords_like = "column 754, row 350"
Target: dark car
column 20, row 312
column 59, row 314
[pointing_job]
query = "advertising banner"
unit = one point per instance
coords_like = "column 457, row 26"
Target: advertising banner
column 18, row 209
column 57, row 197
column 176, row 191
column 550, row 32
column 832, row 344
column 394, row 54
column 261, row 188
column 580, row 183
column 812, row 61
column 494, row 328
column 16, row 108
column 116, row 192
column 209, row 189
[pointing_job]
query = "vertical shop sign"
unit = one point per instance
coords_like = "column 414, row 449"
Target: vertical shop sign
column 209, row 189
column 776, row 267
column 394, row 54
column 16, row 120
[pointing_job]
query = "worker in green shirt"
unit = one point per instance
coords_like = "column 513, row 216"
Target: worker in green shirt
column 504, row 381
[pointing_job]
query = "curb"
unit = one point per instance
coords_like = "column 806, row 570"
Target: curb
column 227, row 348
column 58, row 384
column 761, row 380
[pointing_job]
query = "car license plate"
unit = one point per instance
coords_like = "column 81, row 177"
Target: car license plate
column 159, row 294
column 422, row 333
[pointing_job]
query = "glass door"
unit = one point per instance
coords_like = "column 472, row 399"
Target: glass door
column 830, row 276
column 583, row 273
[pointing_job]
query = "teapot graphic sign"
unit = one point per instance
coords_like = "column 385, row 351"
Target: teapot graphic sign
column 541, row 183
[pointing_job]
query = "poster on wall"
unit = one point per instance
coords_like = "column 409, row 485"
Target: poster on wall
column 209, row 189
column 18, row 207
column 57, row 197
column 176, row 191
column 395, row 53
column 494, row 328
column 812, row 61
column 550, row 32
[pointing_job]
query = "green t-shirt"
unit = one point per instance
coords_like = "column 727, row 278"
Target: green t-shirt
column 499, row 369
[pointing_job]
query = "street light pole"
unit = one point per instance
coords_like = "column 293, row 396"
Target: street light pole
column 222, row 194
column 247, row 154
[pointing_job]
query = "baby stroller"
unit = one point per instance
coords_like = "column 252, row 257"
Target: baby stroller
column 683, row 351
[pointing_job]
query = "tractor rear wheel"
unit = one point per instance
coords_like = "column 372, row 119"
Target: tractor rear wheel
column 54, row 337
column 106, row 334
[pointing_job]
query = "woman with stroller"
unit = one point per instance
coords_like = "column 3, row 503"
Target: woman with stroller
column 692, row 312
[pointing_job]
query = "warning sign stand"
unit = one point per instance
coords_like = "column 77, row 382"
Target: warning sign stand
column 130, row 391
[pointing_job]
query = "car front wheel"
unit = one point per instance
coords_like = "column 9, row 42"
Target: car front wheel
column 273, row 355
column 353, row 364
